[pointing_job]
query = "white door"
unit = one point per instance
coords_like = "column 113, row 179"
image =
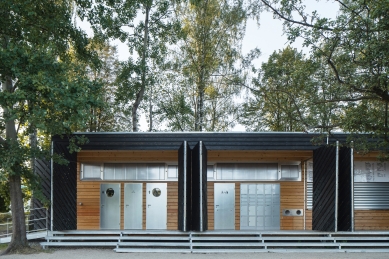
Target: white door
column 156, row 206
column 110, row 206
column 224, row 209
column 133, row 205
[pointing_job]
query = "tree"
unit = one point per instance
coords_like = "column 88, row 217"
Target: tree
column 41, row 89
column 288, row 95
column 209, row 62
column 109, row 116
column 354, row 46
column 147, row 41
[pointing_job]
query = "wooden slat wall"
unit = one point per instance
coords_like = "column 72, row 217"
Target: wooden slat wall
column 237, row 206
column 88, row 215
column 88, row 203
column 308, row 219
column 210, row 205
column 371, row 220
column 292, row 197
column 88, row 192
column 172, row 206
column 127, row 156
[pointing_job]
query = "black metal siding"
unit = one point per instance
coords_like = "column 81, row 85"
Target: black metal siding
column 344, row 191
column 213, row 141
column 42, row 169
column 184, row 187
column 64, row 190
column 199, row 188
column 324, row 180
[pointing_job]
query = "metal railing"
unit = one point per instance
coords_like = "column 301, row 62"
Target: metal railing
column 34, row 223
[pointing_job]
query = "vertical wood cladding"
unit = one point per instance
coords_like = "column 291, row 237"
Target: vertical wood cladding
column 324, row 178
column 64, row 191
column 324, row 189
column 345, row 192
column 199, row 188
column 43, row 170
column 185, row 187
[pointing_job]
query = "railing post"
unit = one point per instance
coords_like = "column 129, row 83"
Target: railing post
column 47, row 218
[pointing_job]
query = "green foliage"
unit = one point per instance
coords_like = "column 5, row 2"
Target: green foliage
column 209, row 65
column 44, row 91
column 354, row 54
column 147, row 40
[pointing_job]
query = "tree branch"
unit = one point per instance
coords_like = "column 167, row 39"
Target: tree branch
column 294, row 21
column 348, row 99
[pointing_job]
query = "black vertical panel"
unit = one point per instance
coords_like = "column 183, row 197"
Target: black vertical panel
column 324, row 183
column 199, row 188
column 43, row 171
column 345, row 191
column 184, row 187
column 65, row 190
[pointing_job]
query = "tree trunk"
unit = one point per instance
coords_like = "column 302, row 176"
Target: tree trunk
column 19, row 238
column 140, row 94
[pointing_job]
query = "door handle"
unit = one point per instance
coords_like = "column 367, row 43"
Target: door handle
column 148, row 205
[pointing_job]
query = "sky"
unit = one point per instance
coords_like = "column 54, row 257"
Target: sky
column 268, row 37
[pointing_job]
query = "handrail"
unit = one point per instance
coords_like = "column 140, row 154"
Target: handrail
column 29, row 222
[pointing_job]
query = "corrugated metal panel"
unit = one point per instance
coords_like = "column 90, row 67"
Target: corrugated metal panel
column 309, row 195
column 371, row 196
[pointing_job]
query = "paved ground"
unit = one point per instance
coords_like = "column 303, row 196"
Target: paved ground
column 83, row 253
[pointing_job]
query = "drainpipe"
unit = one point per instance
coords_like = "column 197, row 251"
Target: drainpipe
column 336, row 186
column 352, row 186
column 185, row 166
column 201, row 185
column 305, row 192
column 51, row 187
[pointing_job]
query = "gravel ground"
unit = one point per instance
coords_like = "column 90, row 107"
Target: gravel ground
column 104, row 253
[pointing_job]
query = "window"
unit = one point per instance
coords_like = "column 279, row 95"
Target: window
column 172, row 172
column 289, row 172
column 247, row 171
column 91, row 171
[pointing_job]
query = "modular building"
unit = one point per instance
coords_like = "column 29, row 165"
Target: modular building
column 215, row 181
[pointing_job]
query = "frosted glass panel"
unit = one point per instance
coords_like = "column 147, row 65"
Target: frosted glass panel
column 153, row 172
column 289, row 171
column 249, row 171
column 141, row 171
column 210, row 172
column 109, row 172
column 120, row 172
column 91, row 171
column 172, row 172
